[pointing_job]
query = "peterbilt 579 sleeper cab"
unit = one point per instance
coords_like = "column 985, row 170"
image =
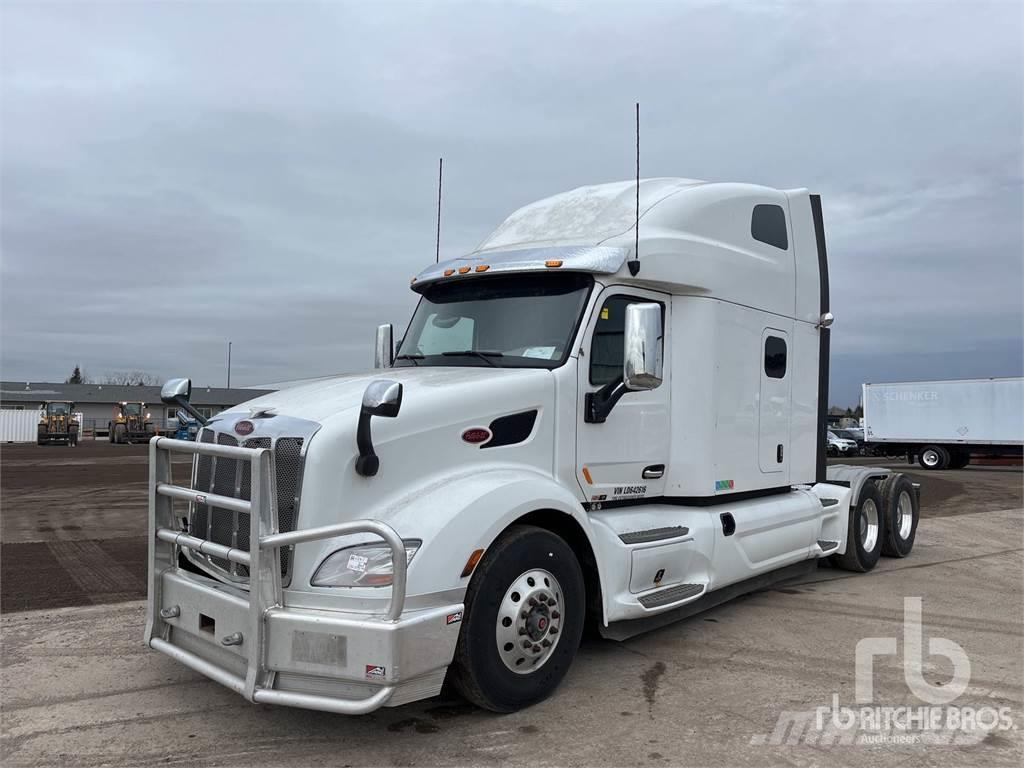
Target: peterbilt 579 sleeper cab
column 579, row 424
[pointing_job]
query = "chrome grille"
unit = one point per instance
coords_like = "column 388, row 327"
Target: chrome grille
column 232, row 477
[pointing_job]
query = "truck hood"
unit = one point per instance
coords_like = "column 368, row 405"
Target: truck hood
column 436, row 388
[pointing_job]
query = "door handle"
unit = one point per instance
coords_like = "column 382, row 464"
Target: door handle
column 653, row 472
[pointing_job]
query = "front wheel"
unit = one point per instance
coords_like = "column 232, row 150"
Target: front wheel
column 864, row 533
column 523, row 621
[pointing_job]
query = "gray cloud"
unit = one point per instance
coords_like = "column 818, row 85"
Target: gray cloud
column 177, row 175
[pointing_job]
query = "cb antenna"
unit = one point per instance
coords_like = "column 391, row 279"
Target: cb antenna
column 634, row 263
column 437, row 246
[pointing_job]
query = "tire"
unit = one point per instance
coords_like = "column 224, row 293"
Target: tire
column 863, row 545
column 489, row 649
column 901, row 512
column 120, row 434
column 959, row 457
column 831, row 451
column 933, row 457
column 110, row 432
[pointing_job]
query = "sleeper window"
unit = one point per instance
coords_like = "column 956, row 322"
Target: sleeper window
column 768, row 225
column 775, row 357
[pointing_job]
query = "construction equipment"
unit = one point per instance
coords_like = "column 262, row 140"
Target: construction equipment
column 187, row 429
column 130, row 423
column 57, row 423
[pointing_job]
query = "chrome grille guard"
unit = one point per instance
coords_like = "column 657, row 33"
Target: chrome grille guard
column 263, row 561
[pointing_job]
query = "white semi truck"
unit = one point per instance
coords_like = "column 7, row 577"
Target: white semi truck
column 943, row 423
column 581, row 423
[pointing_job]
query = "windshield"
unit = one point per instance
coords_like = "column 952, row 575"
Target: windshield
column 844, row 434
column 58, row 409
column 513, row 321
column 133, row 409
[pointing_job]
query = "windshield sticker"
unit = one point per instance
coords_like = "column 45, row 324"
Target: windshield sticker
column 544, row 353
column 724, row 485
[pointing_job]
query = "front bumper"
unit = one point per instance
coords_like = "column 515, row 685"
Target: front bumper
column 335, row 661
column 252, row 641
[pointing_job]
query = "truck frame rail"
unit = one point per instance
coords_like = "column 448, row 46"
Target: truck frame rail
column 264, row 562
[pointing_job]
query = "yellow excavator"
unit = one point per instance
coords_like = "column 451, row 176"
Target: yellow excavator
column 130, row 423
column 57, row 423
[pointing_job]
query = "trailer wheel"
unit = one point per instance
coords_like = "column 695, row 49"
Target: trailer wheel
column 902, row 511
column 864, row 533
column 959, row 457
column 523, row 621
column 933, row 457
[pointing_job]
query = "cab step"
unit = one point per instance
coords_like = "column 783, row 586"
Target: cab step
column 670, row 595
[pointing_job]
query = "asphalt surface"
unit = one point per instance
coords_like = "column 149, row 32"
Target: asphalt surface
column 79, row 688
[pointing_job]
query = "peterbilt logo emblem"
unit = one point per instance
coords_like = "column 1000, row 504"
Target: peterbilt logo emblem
column 476, row 435
column 244, row 427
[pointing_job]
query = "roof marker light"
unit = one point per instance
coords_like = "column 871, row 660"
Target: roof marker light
column 463, row 270
column 449, row 272
column 553, row 263
column 483, row 268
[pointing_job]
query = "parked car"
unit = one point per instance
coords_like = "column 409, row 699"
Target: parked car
column 840, row 446
column 852, row 433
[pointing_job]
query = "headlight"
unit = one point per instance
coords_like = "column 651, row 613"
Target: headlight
column 364, row 565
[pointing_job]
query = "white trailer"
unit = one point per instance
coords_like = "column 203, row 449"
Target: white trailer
column 943, row 423
column 582, row 423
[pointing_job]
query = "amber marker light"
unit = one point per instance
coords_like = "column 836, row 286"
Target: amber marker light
column 449, row 272
column 586, row 474
column 483, row 268
column 553, row 263
column 463, row 270
column 471, row 563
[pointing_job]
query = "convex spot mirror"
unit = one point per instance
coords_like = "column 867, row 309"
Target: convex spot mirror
column 383, row 398
column 643, row 341
column 174, row 390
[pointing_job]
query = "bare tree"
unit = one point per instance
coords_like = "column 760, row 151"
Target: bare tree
column 131, row 378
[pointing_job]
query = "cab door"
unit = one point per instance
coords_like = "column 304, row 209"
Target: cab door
column 626, row 456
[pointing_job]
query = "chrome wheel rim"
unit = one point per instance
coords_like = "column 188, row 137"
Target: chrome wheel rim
column 930, row 458
column 529, row 621
column 904, row 514
column 869, row 525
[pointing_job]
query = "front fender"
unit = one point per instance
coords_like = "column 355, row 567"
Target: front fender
column 453, row 517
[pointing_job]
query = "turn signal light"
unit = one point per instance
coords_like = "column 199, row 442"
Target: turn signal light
column 471, row 563
column 553, row 263
column 483, row 268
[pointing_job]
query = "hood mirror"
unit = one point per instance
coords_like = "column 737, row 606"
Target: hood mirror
column 642, row 355
column 177, row 392
column 384, row 349
column 381, row 398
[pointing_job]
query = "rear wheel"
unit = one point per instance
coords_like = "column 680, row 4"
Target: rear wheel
column 959, row 457
column 901, row 512
column 523, row 621
column 864, row 533
column 933, row 457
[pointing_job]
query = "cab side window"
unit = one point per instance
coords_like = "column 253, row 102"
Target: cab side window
column 607, row 345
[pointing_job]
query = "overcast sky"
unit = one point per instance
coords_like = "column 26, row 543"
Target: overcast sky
column 177, row 175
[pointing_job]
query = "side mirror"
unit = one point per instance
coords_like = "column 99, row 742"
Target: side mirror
column 177, row 392
column 642, row 366
column 381, row 398
column 384, row 349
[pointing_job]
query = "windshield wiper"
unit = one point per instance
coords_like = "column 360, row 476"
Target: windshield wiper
column 483, row 354
column 413, row 358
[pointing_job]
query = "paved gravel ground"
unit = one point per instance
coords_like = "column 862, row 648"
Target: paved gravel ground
column 79, row 688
